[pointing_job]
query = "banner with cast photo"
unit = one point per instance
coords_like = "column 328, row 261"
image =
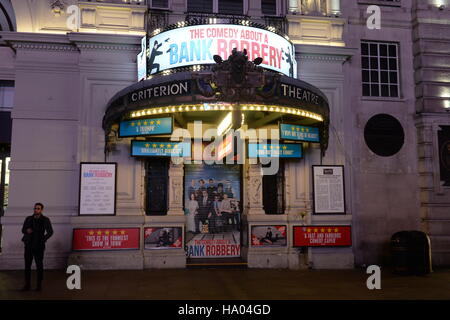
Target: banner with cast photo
column 163, row 238
column 212, row 195
column 268, row 236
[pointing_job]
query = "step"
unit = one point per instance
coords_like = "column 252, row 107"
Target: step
column 229, row 263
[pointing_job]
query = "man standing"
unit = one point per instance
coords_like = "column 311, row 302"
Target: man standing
column 37, row 229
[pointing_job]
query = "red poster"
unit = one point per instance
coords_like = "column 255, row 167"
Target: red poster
column 322, row 236
column 106, row 239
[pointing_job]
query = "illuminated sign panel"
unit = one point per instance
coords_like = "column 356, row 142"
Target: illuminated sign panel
column 196, row 45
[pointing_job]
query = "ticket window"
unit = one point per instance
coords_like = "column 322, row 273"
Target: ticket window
column 273, row 191
column 157, row 180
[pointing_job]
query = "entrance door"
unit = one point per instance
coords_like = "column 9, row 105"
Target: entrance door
column 212, row 202
column 157, row 176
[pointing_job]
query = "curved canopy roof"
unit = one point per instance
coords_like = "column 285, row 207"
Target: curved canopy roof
column 201, row 96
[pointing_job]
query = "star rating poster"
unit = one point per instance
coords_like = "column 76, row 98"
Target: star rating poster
column 106, row 239
column 268, row 236
column 322, row 236
column 163, row 238
column 97, row 194
column 287, row 150
column 145, row 127
column 299, row 133
column 141, row 148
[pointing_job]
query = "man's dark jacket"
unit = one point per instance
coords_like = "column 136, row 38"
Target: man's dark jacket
column 42, row 231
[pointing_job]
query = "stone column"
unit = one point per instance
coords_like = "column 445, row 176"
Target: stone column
column 176, row 172
column 334, row 7
column 255, row 189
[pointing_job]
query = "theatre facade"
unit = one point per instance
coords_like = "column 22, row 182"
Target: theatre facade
column 203, row 142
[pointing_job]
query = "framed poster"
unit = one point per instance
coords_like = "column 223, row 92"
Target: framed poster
column 328, row 189
column 268, row 236
column 97, row 195
column 163, row 238
column 105, row 239
column 322, row 236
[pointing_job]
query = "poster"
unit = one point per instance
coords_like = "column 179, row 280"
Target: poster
column 322, row 236
column 212, row 210
column 268, row 236
column 163, row 238
column 196, row 45
column 106, row 239
column 328, row 189
column 97, row 189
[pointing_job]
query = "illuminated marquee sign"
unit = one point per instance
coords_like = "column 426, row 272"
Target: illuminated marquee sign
column 196, row 45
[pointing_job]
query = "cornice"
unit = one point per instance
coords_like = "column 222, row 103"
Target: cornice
column 71, row 41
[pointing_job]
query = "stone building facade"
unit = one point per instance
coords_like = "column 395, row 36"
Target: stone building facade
column 65, row 76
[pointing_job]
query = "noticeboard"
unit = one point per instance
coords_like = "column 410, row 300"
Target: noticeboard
column 328, row 189
column 97, row 195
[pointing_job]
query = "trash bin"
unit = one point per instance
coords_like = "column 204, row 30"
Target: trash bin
column 411, row 253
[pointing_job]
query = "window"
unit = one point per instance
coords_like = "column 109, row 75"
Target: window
column 273, row 191
column 6, row 95
column 380, row 69
column 216, row 6
column 159, row 4
column 269, row 7
column 231, row 6
column 157, row 173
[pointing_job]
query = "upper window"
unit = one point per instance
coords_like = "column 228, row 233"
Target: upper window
column 269, row 7
column 216, row 6
column 380, row 69
column 159, row 4
column 6, row 95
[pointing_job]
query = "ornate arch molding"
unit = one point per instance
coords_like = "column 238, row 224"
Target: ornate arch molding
column 7, row 16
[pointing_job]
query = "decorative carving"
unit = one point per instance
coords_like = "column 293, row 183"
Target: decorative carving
column 233, row 79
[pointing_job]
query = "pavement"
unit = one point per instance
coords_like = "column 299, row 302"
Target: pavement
column 230, row 284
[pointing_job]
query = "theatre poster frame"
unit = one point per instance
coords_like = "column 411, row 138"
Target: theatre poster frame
column 112, row 164
column 343, row 211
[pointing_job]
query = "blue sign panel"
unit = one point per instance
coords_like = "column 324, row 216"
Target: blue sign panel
column 160, row 149
column 290, row 150
column 145, row 127
column 300, row 133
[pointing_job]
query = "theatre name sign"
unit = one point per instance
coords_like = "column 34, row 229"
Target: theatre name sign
column 197, row 45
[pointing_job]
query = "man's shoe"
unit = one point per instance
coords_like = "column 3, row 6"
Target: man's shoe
column 25, row 288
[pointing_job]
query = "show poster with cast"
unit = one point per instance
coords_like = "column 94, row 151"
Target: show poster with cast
column 268, row 236
column 163, row 238
column 212, row 210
